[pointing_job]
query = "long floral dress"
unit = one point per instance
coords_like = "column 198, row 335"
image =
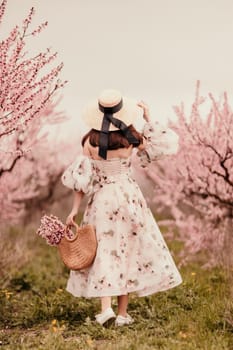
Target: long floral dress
column 132, row 255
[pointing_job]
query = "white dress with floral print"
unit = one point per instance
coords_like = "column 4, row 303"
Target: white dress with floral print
column 132, row 255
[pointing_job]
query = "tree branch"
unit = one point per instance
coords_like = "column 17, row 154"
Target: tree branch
column 2, row 171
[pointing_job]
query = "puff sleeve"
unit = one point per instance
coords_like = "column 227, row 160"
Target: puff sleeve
column 160, row 141
column 78, row 176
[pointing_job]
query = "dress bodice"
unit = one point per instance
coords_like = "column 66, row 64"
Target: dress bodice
column 111, row 167
column 110, row 171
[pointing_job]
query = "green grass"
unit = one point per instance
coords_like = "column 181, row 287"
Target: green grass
column 37, row 313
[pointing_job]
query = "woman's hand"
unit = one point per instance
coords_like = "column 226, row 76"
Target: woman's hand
column 70, row 219
column 146, row 112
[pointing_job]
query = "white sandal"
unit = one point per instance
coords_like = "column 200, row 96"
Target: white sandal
column 106, row 318
column 121, row 320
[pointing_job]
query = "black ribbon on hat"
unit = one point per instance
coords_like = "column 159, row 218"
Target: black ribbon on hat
column 119, row 124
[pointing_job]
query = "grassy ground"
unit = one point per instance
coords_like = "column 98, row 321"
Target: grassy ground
column 37, row 313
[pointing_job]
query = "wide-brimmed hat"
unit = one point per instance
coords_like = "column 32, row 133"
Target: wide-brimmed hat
column 128, row 112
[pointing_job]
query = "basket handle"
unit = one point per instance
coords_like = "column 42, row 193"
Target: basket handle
column 68, row 227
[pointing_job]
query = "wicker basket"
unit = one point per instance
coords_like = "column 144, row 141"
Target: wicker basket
column 79, row 252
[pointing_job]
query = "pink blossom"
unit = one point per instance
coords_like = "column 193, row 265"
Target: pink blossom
column 28, row 87
column 25, row 89
column 51, row 229
column 197, row 183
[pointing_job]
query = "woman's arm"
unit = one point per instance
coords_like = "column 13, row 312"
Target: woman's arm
column 146, row 112
column 146, row 117
column 159, row 140
column 78, row 196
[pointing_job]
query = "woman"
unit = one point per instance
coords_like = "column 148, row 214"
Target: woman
column 132, row 255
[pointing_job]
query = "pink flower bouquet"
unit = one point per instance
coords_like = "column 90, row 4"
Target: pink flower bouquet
column 52, row 230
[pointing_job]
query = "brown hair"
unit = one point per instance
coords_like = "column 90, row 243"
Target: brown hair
column 116, row 138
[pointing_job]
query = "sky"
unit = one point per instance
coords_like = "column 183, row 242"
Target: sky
column 153, row 50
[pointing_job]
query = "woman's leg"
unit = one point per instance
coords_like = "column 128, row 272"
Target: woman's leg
column 123, row 304
column 106, row 302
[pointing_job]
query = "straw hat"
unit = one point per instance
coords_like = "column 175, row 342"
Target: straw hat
column 129, row 112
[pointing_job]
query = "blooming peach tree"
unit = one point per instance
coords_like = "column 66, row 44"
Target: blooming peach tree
column 197, row 183
column 27, row 89
column 32, row 183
